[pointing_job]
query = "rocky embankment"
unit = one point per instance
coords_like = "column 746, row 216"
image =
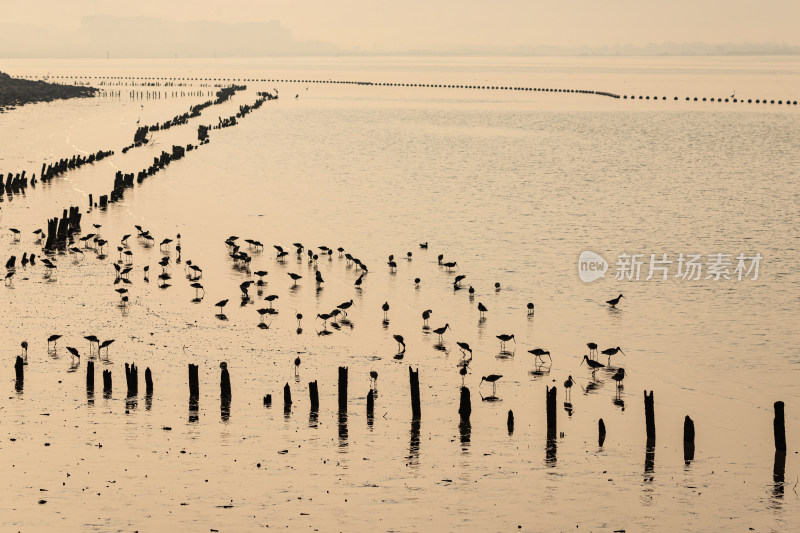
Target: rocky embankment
column 16, row 92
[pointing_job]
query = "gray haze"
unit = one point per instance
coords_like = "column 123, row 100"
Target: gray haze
column 149, row 28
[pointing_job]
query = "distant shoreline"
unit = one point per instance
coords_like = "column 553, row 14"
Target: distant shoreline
column 16, row 92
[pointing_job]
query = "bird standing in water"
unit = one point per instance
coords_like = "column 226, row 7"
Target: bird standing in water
column 425, row 316
column 401, row 345
column 618, row 377
column 592, row 348
column 615, row 301
column 612, row 351
column 440, row 331
column 385, row 308
column 482, row 309
column 568, row 387
column 491, row 378
column 505, row 338
column 296, row 366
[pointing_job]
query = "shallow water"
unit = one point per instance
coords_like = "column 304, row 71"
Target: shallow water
column 513, row 186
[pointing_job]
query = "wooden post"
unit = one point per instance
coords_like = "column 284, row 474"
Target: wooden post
column 90, row 201
column 342, row 389
column 18, row 368
column 465, row 404
column 132, row 379
column 601, row 432
column 779, row 428
column 148, row 381
column 413, row 377
column 194, row 383
column 688, row 439
column 107, row 382
column 313, row 394
column 90, row 377
column 370, row 404
column 649, row 417
column 551, row 412
column 268, row 400
column 225, row 381
column 287, row 396
column 510, row 422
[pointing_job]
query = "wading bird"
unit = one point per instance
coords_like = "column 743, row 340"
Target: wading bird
column 615, row 301
column 491, row 378
column 504, row 338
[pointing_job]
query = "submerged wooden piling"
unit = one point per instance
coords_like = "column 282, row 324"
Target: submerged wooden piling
column 688, row 439
column 370, row 404
column 194, row 383
column 510, row 422
column 132, row 379
column 313, row 393
column 779, row 428
column 649, row 416
column 224, row 381
column 287, row 396
column 465, row 404
column 413, row 377
column 18, row 369
column 342, row 389
column 601, row 432
column 90, row 377
column 551, row 395
column 148, row 381
column 106, row 382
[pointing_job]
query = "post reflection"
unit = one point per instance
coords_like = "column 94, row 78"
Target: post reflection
column 413, row 448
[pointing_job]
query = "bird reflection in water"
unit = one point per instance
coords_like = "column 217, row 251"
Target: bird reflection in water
column 540, row 369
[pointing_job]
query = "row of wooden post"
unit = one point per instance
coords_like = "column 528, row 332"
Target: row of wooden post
column 464, row 408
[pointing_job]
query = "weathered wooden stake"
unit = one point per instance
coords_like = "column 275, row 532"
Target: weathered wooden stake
column 465, row 405
column 778, row 428
column 601, row 432
column 370, row 404
column 688, row 439
column 132, row 379
column 413, row 377
column 106, row 381
column 287, row 396
column 225, row 381
column 18, row 368
column 342, row 389
column 268, row 400
column 313, row 393
column 649, row 416
column 551, row 412
column 90, row 201
column 90, row 377
column 510, row 422
column 194, row 382
column 148, row 381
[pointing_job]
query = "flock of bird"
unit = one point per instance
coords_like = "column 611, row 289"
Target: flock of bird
column 336, row 317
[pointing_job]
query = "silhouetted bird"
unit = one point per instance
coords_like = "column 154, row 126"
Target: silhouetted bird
column 592, row 348
column 221, row 304
column 530, row 308
column 538, row 353
column 619, row 376
column 612, row 351
column 568, row 387
column 401, row 345
column 440, row 331
column 491, row 378
column 53, row 339
column 615, row 301
column 482, row 309
column 464, row 347
column 425, row 316
column 385, row 308
column 504, row 338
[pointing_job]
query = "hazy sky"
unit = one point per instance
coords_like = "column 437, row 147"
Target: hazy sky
column 383, row 25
